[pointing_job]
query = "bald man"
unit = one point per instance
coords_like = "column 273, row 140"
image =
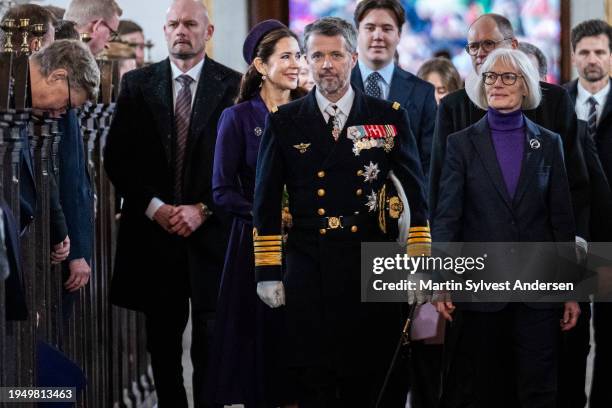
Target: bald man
column 172, row 239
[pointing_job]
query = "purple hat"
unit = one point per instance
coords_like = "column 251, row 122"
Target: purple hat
column 255, row 35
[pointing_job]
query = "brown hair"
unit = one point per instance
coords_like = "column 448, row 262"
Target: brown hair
column 447, row 71
column 394, row 6
column 128, row 27
column 252, row 79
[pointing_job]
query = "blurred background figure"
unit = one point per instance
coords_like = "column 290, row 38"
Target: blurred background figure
column 66, row 30
column 442, row 54
column 442, row 74
column 132, row 33
column 37, row 15
column 124, row 54
column 537, row 58
column 58, row 12
column 305, row 79
column 96, row 21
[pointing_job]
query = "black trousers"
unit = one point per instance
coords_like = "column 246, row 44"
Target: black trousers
column 505, row 359
column 318, row 387
column 601, row 392
column 425, row 374
column 165, row 326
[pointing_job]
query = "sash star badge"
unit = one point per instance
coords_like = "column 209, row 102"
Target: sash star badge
column 302, row 147
column 372, row 202
column 370, row 172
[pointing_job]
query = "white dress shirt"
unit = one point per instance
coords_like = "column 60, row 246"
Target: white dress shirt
column 582, row 101
column 386, row 73
column 344, row 105
column 194, row 73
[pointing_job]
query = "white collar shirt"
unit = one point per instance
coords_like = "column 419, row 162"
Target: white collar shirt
column 194, row 73
column 583, row 105
column 344, row 105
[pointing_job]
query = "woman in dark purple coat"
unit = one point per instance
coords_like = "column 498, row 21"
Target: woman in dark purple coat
column 244, row 350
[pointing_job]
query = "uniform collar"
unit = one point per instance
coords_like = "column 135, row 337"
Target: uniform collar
column 193, row 73
column 386, row 72
column 344, row 104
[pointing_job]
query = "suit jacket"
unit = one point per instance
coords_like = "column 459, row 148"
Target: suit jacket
column 555, row 113
column 474, row 205
column 152, row 265
column 417, row 97
column 327, row 179
column 28, row 196
column 75, row 188
column 598, row 157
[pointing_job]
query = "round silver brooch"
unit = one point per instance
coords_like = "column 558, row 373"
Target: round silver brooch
column 258, row 131
column 534, row 143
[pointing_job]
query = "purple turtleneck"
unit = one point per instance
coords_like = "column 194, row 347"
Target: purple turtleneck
column 508, row 134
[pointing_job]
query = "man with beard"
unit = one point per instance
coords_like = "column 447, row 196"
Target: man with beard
column 591, row 53
column 334, row 149
column 159, row 155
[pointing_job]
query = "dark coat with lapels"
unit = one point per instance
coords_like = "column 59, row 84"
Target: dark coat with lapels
column 327, row 325
column 152, row 266
column 417, row 97
column 555, row 113
column 475, row 206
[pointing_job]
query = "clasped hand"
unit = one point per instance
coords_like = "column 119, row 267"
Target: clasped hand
column 181, row 220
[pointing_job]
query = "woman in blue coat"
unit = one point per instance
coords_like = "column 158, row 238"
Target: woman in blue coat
column 242, row 355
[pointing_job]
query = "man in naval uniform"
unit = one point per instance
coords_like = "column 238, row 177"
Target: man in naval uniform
column 334, row 150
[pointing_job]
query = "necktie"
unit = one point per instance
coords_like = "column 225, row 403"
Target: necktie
column 182, row 115
column 592, row 118
column 372, row 87
column 333, row 123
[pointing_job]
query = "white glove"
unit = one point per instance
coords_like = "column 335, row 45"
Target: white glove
column 582, row 248
column 418, row 296
column 272, row 293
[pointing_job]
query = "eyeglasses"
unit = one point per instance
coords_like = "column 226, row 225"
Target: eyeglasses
column 508, row 78
column 113, row 35
column 487, row 45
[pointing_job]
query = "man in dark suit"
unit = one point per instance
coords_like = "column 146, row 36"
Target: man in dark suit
column 334, row 159
column 379, row 25
column 172, row 239
column 555, row 112
column 591, row 52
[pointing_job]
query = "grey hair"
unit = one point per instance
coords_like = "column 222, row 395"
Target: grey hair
column 331, row 27
column 82, row 12
column 74, row 57
column 519, row 61
column 531, row 49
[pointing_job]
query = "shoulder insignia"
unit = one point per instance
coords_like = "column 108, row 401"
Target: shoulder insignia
column 274, row 109
column 396, row 105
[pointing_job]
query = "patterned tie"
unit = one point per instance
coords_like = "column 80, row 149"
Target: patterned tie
column 371, row 86
column 333, row 122
column 592, row 118
column 182, row 115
